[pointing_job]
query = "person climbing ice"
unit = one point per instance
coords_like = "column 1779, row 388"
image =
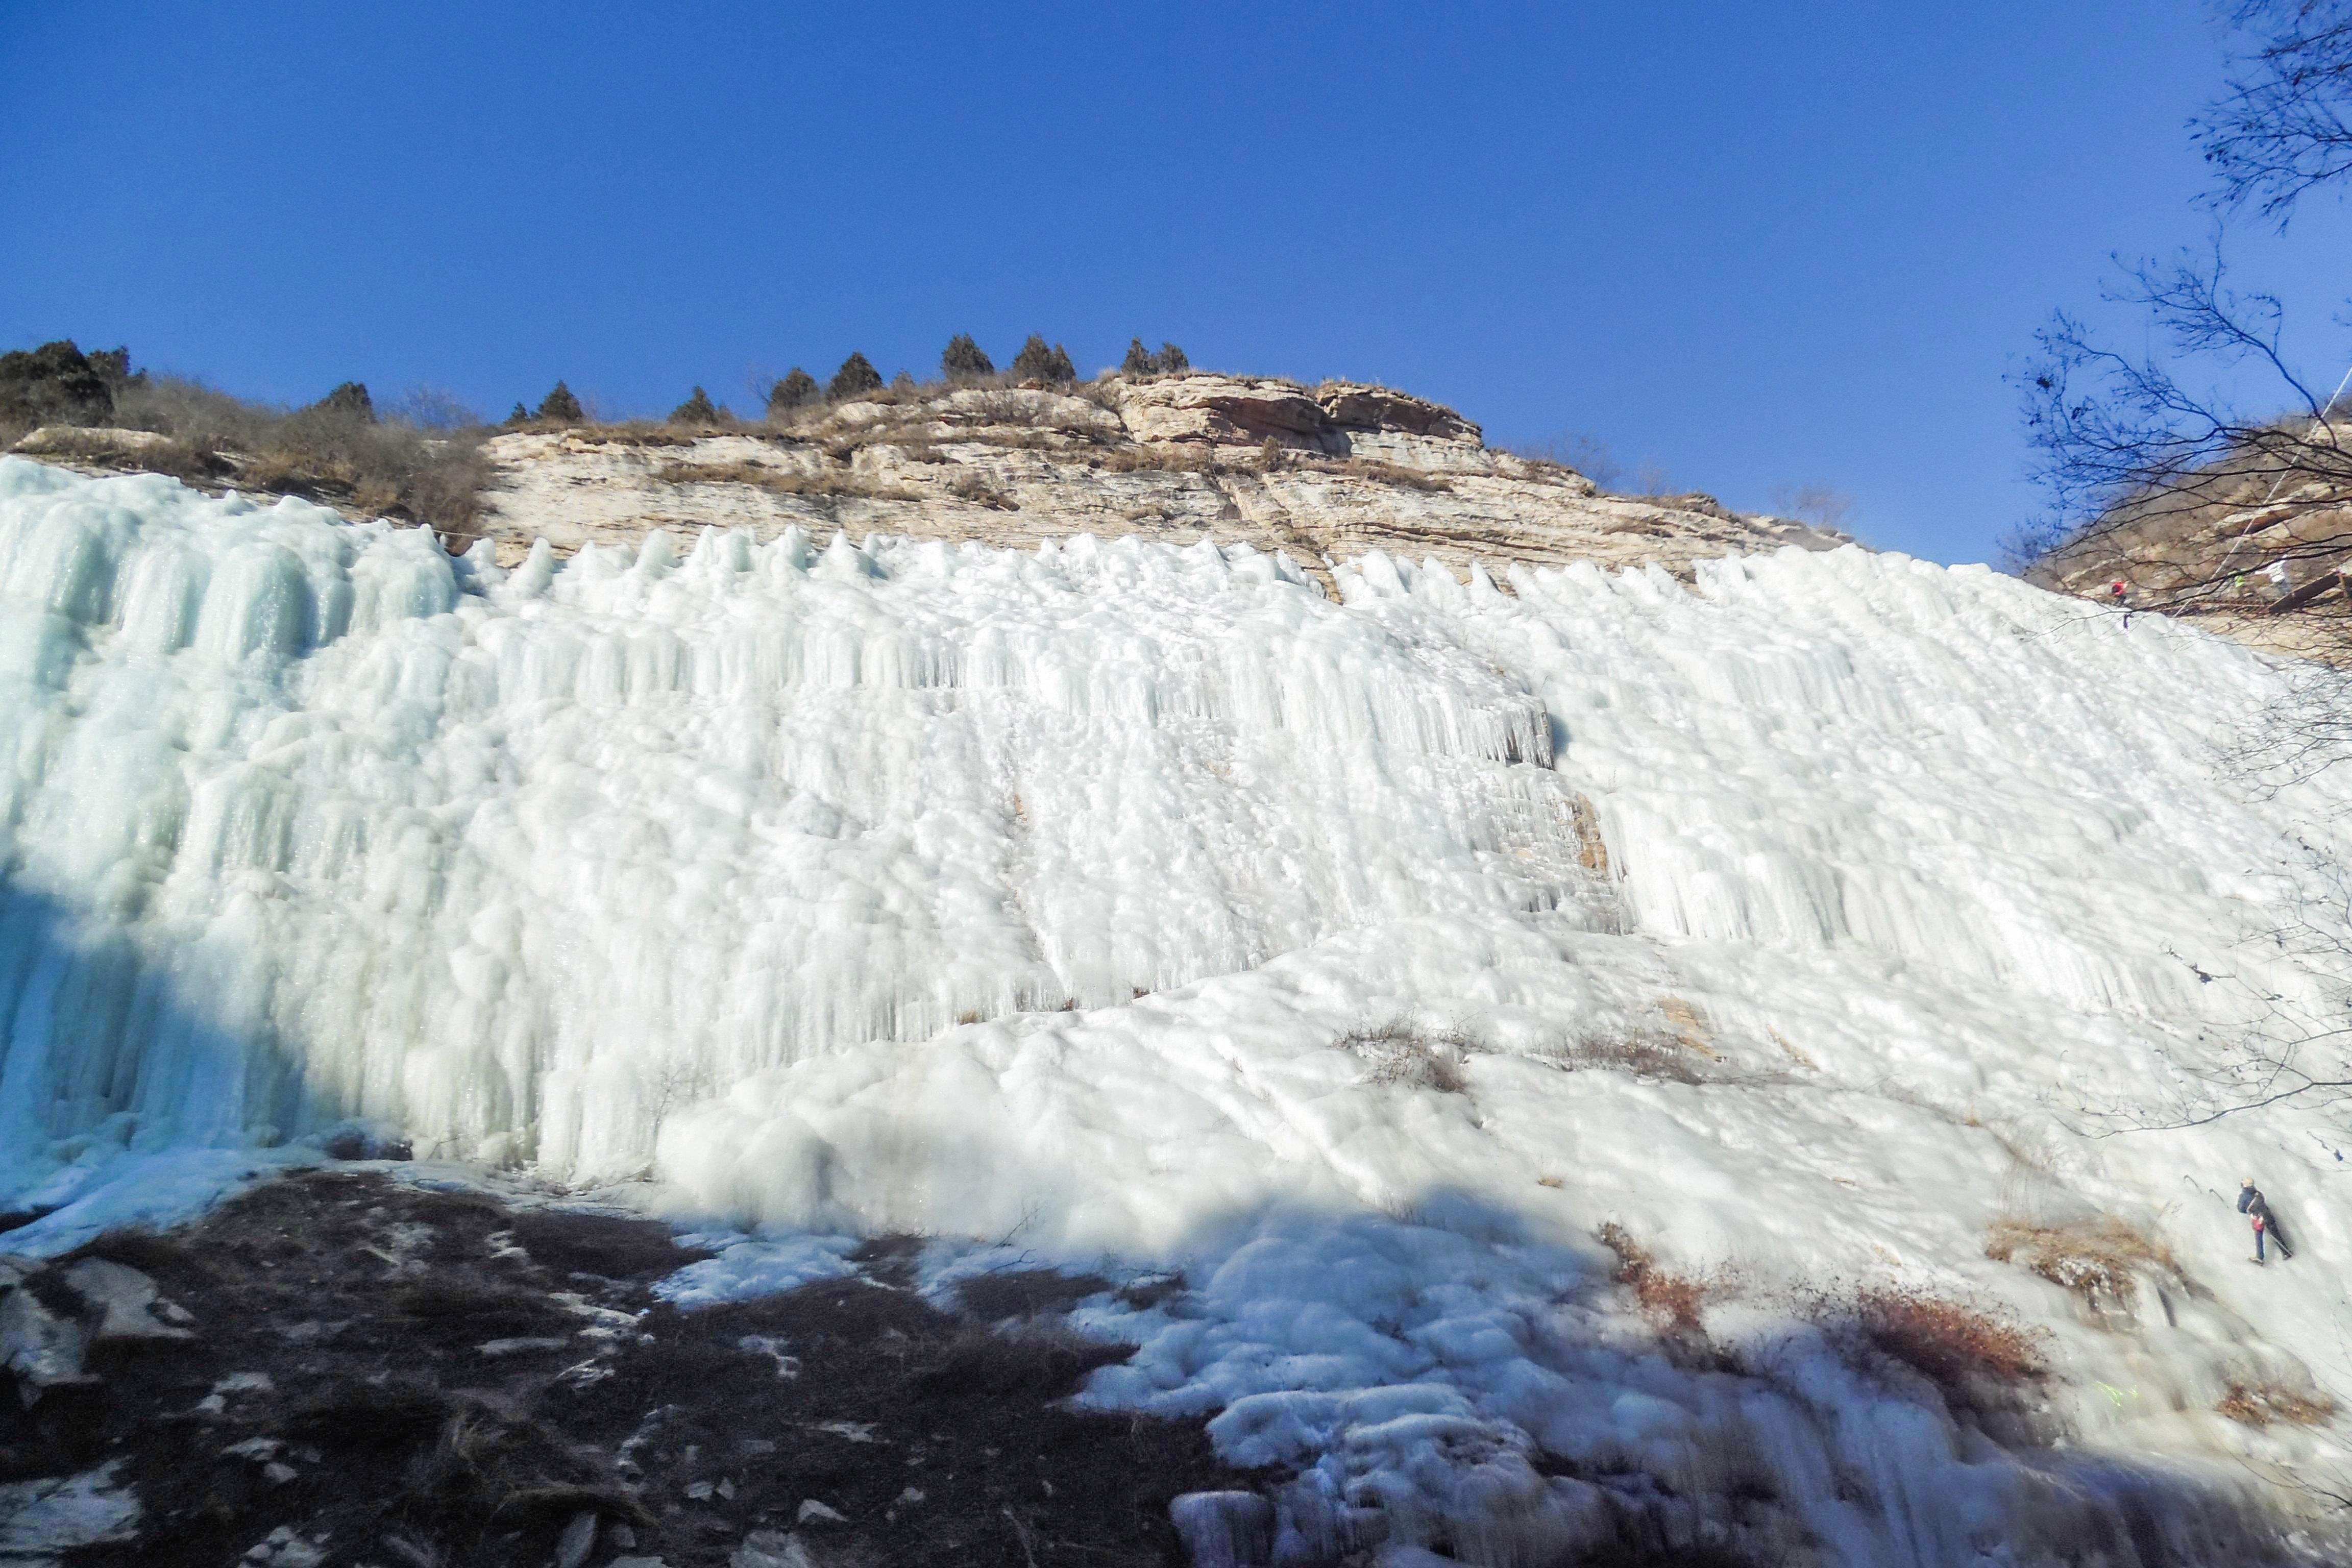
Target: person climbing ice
column 2251, row 1204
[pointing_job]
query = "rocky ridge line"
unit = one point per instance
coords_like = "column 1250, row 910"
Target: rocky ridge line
column 1324, row 473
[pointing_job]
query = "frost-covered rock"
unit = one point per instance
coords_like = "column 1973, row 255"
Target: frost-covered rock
column 773, row 1549
column 126, row 1303
column 40, row 1520
column 284, row 1547
column 41, row 1348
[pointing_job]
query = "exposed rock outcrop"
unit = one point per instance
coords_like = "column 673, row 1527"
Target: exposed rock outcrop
column 90, row 441
column 1175, row 458
column 1323, row 473
column 1246, row 410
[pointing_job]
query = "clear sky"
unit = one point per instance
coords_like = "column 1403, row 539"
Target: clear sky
column 1754, row 244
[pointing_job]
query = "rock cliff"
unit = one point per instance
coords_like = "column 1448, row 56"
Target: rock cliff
column 1324, row 473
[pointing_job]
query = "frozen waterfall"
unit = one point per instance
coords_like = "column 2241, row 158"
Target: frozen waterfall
column 981, row 892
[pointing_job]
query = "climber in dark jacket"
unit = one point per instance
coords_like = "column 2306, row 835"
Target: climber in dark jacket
column 2251, row 1204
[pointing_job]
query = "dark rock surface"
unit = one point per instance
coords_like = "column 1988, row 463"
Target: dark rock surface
column 348, row 1367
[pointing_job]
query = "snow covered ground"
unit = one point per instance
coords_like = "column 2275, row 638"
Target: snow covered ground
column 1137, row 907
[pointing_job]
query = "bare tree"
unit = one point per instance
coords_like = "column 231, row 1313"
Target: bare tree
column 2188, row 466
column 1588, row 454
column 2122, row 444
column 1822, row 505
column 2284, row 126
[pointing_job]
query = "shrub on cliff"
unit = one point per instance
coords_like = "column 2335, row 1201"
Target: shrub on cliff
column 1035, row 362
column 964, row 360
column 1140, row 361
column 332, row 450
column 560, row 407
column 797, row 390
column 856, row 376
column 113, row 367
column 57, row 384
column 349, row 401
column 697, row 410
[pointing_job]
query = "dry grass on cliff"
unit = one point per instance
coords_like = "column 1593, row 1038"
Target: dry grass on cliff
column 1162, row 457
column 980, row 489
column 823, row 484
column 1960, row 1347
column 625, row 432
column 2265, row 1403
column 1674, row 1301
column 2099, row 1259
column 379, row 467
column 917, row 437
column 1381, row 471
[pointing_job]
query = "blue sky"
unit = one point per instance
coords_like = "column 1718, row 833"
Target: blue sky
column 1754, row 244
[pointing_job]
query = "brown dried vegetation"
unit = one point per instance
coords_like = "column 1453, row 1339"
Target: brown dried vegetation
column 1951, row 1343
column 1168, row 456
column 341, row 456
column 2097, row 1259
column 1383, row 472
column 823, row 483
column 1642, row 1053
column 2261, row 1405
column 1672, row 1301
column 982, row 491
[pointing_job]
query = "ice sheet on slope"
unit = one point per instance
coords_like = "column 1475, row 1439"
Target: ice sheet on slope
column 654, row 858
column 1891, row 1087
column 320, row 823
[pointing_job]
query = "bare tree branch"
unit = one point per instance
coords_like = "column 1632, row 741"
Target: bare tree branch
column 2284, row 126
column 2123, row 445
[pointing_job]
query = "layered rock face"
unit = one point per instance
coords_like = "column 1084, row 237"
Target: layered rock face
column 1325, row 474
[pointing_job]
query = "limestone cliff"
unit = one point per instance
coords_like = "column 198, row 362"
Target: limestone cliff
column 1324, row 473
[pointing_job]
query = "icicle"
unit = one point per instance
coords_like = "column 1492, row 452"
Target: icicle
column 656, row 556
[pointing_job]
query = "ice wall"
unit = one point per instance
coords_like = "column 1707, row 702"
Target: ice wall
column 986, row 893
column 517, row 862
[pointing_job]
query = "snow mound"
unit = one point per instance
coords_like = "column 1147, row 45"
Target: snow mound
column 1140, row 906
